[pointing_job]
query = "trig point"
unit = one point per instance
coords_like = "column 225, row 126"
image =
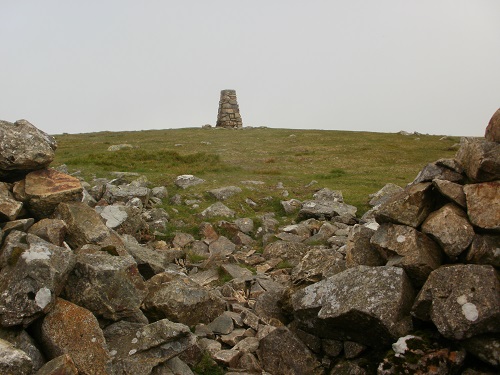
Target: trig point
column 229, row 111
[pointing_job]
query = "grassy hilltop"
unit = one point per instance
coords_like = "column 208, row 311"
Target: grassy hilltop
column 357, row 163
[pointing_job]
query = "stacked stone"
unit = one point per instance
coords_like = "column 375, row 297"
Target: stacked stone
column 229, row 111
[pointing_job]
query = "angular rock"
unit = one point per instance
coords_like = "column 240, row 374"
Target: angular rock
column 484, row 347
column 23, row 341
column 291, row 206
column 73, row 330
column 450, row 228
column 492, row 132
column 223, row 193
column 245, row 225
column 290, row 251
column 23, row 147
column 46, row 188
column 13, row 360
column 182, row 239
column 21, row 224
column 137, row 348
column 222, row 325
column 483, row 204
column 227, row 357
column 485, row 249
column 33, row 278
column 452, row 191
column 9, row 207
column 369, row 305
column 359, row 250
column 405, row 247
column 187, row 180
column 439, row 171
column 384, row 194
column 62, row 365
column 180, row 299
column 325, row 210
column 125, row 193
column 109, row 286
column 480, row 159
column 281, row 352
column 409, row 207
column 217, row 209
column 318, row 264
column 461, row 300
column 50, row 230
column 221, row 248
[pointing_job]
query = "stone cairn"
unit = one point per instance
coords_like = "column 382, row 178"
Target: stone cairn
column 229, row 111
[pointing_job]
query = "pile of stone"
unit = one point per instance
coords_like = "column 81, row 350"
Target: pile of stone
column 228, row 115
column 87, row 286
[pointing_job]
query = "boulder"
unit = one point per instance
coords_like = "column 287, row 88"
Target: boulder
column 24, row 148
column 73, row 330
column 125, row 193
column 483, row 204
column 318, row 264
column 485, row 249
column 180, row 299
column 50, row 230
column 31, row 281
column 325, row 209
column 492, row 133
column 480, row 159
column 223, row 193
column 9, row 207
column 452, row 191
column 292, row 252
column 13, row 360
column 217, row 209
column 46, row 188
column 384, row 194
column 109, row 286
column 187, row 180
column 23, row 341
column 245, row 225
column 409, row 207
column 291, row 206
column 461, row 300
column 281, row 352
column 405, row 247
column 359, row 250
column 137, row 348
column 221, row 248
column 438, row 170
column 450, row 228
column 369, row 305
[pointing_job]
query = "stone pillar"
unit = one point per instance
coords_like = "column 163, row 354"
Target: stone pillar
column 229, row 112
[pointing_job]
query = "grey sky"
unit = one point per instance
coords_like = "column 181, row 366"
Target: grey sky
column 431, row 66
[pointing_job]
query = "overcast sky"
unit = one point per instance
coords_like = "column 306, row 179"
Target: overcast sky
column 431, row 66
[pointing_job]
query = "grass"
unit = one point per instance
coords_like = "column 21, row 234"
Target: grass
column 357, row 163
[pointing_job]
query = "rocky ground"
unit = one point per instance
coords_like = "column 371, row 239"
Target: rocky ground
column 87, row 285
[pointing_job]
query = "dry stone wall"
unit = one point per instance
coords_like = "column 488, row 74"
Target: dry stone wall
column 229, row 111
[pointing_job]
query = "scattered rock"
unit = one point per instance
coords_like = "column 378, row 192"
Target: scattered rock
column 187, row 180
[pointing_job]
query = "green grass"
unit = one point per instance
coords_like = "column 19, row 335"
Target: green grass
column 357, row 163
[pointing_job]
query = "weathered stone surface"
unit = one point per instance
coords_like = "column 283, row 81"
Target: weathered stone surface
column 325, row 209
column 119, row 147
column 124, row 193
column 222, row 325
column 484, row 347
column 9, row 207
column 318, row 264
column 228, row 115
column 24, row 147
column 50, row 230
column 492, row 132
column 450, row 228
column 187, row 180
column 290, row 251
column 32, row 279
column 359, row 250
column 62, row 365
column 291, row 206
column 439, row 171
column 224, row 193
column 281, row 352
column 46, row 188
column 180, row 299
column 461, row 300
column 485, row 249
column 23, row 341
column 85, row 226
column 19, row 224
column 483, row 204
column 137, row 348
column 221, row 247
column 182, row 239
column 109, row 286
column 452, row 191
column 369, row 305
column 13, row 360
column 480, row 159
column 245, row 225
column 384, row 194
column 228, row 357
column 71, row 329
column 409, row 207
column 217, row 209
column 405, row 247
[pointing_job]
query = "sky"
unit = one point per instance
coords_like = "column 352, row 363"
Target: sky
column 430, row 66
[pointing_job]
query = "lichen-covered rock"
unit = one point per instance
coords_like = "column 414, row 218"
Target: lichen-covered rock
column 34, row 276
column 452, row 191
column 23, row 341
column 485, row 249
column 450, row 228
column 187, row 180
column 223, row 193
column 292, row 252
column 384, row 194
column 73, row 330
column 109, row 286
column 46, row 188
column 62, row 365
column 180, row 299
column 483, row 204
column 325, row 209
column 484, row 347
column 318, row 264
column 217, row 209
column 13, row 360
column 9, row 207
column 359, row 250
column 50, row 230
column 281, row 352
column 480, row 159
column 24, row 148
column 221, row 247
column 492, row 132
column 461, row 300
column 137, row 348
column 405, row 247
column 409, row 207
column 124, row 193
column 370, row 305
